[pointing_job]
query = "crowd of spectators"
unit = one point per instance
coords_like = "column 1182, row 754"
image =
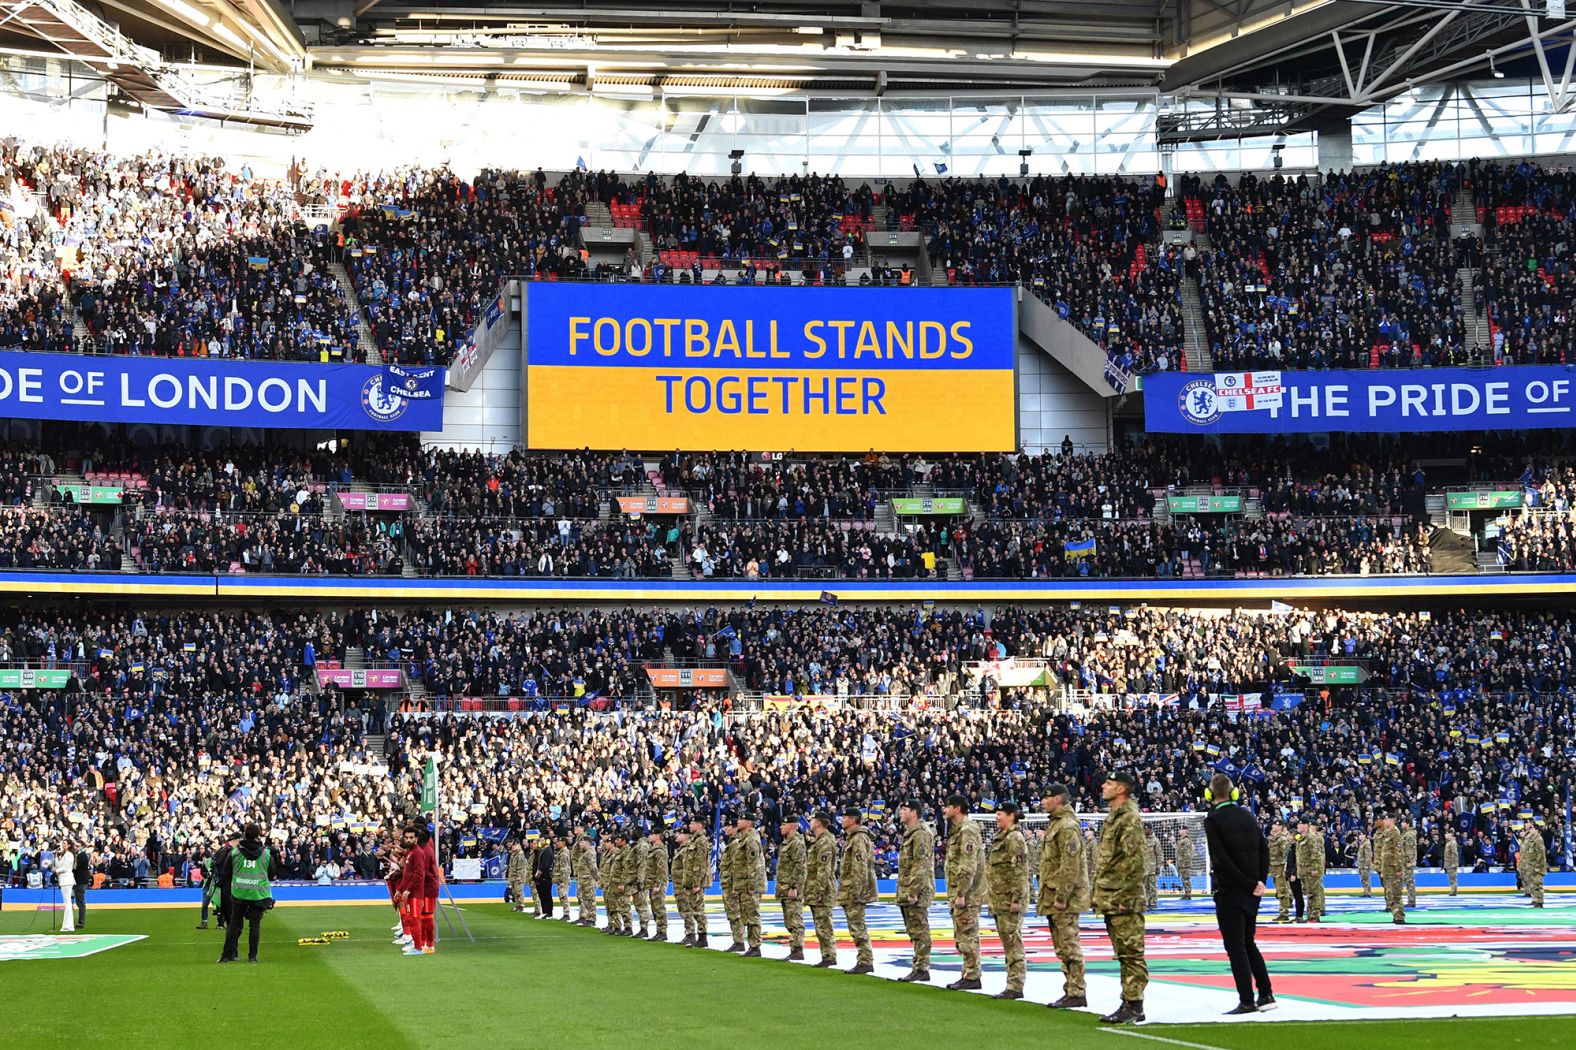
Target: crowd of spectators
column 1280, row 546
column 1528, row 282
column 297, row 544
column 792, row 219
column 1087, row 245
column 64, row 538
column 1345, row 271
column 429, row 251
column 179, row 725
column 566, row 547
column 738, row 487
column 164, row 255
column 1352, row 505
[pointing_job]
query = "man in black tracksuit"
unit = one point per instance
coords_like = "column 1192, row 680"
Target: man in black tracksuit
column 1239, row 857
column 542, row 878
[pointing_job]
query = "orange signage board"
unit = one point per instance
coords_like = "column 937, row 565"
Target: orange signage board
column 687, row 677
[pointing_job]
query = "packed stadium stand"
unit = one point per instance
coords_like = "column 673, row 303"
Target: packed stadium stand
column 188, row 718
column 1350, row 270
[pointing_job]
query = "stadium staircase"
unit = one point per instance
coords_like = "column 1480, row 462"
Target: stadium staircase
column 81, row 336
column 1195, row 334
column 369, row 346
column 886, row 519
column 377, row 744
column 1463, row 222
column 1455, row 553
column 1039, row 323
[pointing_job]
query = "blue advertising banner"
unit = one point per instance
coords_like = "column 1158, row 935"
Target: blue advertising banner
column 770, row 368
column 220, row 393
column 1521, row 397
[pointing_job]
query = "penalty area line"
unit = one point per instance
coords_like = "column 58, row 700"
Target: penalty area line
column 1157, row 1038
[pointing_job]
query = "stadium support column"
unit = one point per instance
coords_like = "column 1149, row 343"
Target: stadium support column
column 1335, row 149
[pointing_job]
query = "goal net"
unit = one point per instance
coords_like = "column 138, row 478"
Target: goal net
column 1168, row 829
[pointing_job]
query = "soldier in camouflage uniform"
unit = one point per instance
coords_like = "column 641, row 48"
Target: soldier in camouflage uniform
column 1532, row 863
column 1187, row 862
column 1064, row 892
column 640, row 880
column 1392, row 869
column 1280, row 846
column 1452, row 860
column 1153, row 860
column 820, row 885
column 1365, row 864
column 856, row 886
column 1007, row 879
column 691, row 872
column 514, row 875
column 1119, row 891
column 730, row 897
column 1310, row 869
column 916, row 886
column 792, row 860
column 615, row 884
column 563, row 873
column 1409, row 855
column 656, row 884
column 1091, row 850
column 749, row 882
column 585, row 877
column 965, row 883
column 1036, row 842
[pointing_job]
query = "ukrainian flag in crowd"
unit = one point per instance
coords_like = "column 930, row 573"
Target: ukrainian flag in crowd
column 1392, row 759
column 257, row 262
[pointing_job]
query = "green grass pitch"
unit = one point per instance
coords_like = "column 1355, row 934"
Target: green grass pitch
column 526, row 982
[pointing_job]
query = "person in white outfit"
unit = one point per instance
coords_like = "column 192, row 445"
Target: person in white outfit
column 66, row 876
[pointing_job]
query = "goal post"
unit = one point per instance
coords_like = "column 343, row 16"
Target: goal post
column 1167, row 827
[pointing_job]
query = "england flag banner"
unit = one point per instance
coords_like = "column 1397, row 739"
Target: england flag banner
column 1247, row 391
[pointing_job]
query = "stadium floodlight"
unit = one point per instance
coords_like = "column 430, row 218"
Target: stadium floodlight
column 1499, row 74
column 1023, row 160
column 737, row 156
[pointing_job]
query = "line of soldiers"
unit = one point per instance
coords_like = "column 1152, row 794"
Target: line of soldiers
column 812, row 874
column 1298, row 866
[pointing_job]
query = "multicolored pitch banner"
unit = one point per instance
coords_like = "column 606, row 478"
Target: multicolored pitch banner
column 1519, row 397
column 747, row 367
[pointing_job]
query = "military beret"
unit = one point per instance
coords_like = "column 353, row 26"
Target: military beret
column 1122, row 776
column 824, row 817
column 957, row 800
column 1052, row 790
column 1009, row 807
column 914, row 804
column 745, row 814
column 853, row 811
column 789, row 817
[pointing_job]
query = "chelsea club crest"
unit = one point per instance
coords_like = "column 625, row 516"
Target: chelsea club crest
column 1198, row 403
column 381, row 402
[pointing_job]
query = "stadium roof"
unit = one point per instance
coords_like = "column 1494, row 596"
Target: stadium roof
column 1261, row 65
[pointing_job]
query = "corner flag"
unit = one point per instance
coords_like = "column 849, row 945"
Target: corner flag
column 429, row 786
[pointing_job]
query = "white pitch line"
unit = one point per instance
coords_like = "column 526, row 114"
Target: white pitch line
column 1157, row 1038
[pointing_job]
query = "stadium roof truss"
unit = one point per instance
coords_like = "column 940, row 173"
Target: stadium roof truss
column 1223, row 68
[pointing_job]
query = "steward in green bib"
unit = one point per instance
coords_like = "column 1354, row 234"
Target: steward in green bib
column 246, row 870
